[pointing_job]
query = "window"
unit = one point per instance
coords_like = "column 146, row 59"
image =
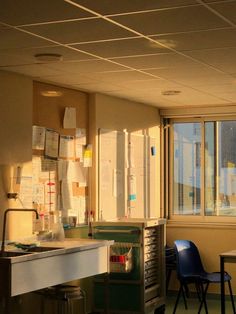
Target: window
column 203, row 168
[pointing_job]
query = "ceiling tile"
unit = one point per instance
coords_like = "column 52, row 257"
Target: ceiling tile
column 80, row 31
column 223, row 59
column 189, row 48
column 122, row 47
column 33, row 70
column 21, row 12
column 70, row 79
column 190, row 97
column 227, row 9
column 192, row 76
column 182, row 19
column 124, row 6
column 199, row 40
column 166, row 60
column 153, row 98
column 11, row 38
column 228, row 96
column 97, row 87
column 86, row 66
column 119, row 76
column 219, row 88
column 151, row 85
column 27, row 55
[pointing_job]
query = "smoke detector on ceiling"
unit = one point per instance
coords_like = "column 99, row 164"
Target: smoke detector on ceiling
column 48, row 57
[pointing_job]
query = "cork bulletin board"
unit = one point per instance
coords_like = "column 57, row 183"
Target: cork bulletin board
column 60, row 173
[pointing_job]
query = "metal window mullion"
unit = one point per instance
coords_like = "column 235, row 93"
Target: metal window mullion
column 165, row 174
column 202, row 189
column 216, row 162
column 170, row 177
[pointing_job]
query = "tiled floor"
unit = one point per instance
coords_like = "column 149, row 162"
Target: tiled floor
column 213, row 304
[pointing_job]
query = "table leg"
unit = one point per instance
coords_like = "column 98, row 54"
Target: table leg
column 222, row 284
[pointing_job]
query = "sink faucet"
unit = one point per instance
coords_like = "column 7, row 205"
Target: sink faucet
column 5, row 221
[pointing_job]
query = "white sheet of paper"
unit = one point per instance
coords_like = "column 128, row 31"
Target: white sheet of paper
column 82, row 210
column 77, row 173
column 38, row 193
column 69, row 121
column 66, row 149
column 117, row 182
column 38, row 137
column 80, row 135
column 67, row 194
column 26, row 192
column 79, row 151
column 62, row 169
column 51, row 143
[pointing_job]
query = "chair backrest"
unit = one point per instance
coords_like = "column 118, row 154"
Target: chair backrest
column 188, row 259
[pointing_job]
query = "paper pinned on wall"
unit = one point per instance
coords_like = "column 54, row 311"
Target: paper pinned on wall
column 66, row 148
column 67, row 194
column 117, row 182
column 69, row 121
column 79, row 151
column 82, row 210
column 62, row 169
column 77, row 173
column 51, row 143
column 80, row 136
column 26, row 192
column 38, row 137
column 88, row 156
column 38, row 193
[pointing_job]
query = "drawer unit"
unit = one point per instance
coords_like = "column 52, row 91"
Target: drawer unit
column 138, row 288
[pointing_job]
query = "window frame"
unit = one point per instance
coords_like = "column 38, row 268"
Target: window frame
column 168, row 139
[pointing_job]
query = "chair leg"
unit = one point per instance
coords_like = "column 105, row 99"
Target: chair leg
column 185, row 302
column 168, row 275
column 231, row 297
column 203, row 301
column 198, row 290
column 181, row 290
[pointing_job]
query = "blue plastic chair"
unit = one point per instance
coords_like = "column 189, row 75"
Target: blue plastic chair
column 190, row 270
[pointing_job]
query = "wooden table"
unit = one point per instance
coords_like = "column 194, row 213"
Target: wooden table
column 227, row 257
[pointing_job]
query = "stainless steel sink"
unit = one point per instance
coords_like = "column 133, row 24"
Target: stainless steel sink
column 39, row 249
column 13, row 254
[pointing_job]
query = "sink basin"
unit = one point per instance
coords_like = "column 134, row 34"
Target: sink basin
column 38, row 249
column 13, row 254
column 51, row 264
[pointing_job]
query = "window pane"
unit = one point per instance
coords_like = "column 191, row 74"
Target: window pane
column 220, row 171
column 186, row 168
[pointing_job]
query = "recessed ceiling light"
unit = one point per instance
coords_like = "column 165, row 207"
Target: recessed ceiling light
column 48, row 57
column 51, row 93
column 170, row 92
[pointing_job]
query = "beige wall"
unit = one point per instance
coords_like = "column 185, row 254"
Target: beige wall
column 118, row 114
column 15, row 141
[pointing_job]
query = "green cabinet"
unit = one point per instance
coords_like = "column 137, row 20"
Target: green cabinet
column 136, row 282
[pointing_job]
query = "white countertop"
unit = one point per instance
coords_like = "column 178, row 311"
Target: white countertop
column 69, row 245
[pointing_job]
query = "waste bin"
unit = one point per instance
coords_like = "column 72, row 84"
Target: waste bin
column 63, row 299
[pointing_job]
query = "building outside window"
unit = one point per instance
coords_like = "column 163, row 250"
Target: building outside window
column 202, row 168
